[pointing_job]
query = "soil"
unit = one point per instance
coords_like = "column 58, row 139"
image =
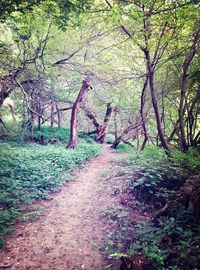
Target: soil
column 68, row 234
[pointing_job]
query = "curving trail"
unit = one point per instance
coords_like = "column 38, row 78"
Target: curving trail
column 65, row 237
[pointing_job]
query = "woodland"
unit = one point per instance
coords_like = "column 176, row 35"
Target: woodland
column 78, row 75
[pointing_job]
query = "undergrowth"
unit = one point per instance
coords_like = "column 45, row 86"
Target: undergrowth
column 124, row 148
column 168, row 238
column 29, row 172
column 59, row 134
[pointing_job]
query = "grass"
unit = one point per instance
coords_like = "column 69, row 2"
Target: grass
column 30, row 172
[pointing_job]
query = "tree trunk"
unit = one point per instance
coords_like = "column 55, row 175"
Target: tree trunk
column 52, row 114
column 115, row 124
column 59, row 115
column 39, row 115
column 143, row 99
column 154, row 101
column 193, row 115
column 102, row 130
column 74, row 114
column 39, row 122
column 183, row 86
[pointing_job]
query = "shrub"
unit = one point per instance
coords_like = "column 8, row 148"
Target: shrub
column 110, row 138
column 125, row 148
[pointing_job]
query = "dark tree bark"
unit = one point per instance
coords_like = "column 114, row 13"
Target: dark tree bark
column 39, row 115
column 8, row 84
column 39, row 122
column 74, row 114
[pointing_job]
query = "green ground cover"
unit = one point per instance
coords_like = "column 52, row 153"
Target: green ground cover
column 30, row 172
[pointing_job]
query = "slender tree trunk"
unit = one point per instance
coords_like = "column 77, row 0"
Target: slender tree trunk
column 74, row 114
column 39, row 122
column 192, row 116
column 115, row 124
column 183, row 86
column 39, row 115
column 143, row 98
column 183, row 143
column 52, row 114
column 154, row 101
column 59, row 115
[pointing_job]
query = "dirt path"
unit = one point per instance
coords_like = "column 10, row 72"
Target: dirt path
column 65, row 237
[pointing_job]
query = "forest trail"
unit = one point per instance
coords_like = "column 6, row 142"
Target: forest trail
column 66, row 237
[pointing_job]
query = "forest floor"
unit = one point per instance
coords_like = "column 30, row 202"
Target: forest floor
column 69, row 232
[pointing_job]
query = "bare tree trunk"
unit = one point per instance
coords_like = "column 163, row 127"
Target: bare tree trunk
column 39, row 122
column 39, row 115
column 143, row 98
column 74, row 114
column 154, row 101
column 52, row 114
column 183, row 86
column 193, row 115
column 115, row 124
column 102, row 130
column 59, row 115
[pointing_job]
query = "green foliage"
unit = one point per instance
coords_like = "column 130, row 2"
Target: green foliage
column 151, row 155
column 167, row 242
column 170, row 238
column 48, row 133
column 189, row 161
column 110, row 138
column 28, row 172
column 57, row 9
column 122, row 230
column 124, row 148
column 155, row 185
column 171, row 243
